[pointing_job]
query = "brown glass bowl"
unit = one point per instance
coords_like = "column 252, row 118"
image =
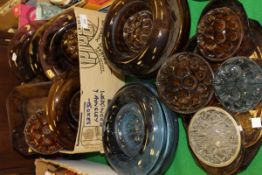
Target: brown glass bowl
column 22, row 103
column 184, row 82
column 62, row 108
column 39, row 136
column 139, row 35
column 223, row 30
column 216, row 141
column 58, row 49
column 251, row 124
column 19, row 58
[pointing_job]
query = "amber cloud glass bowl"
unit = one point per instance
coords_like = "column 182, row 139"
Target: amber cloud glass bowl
column 139, row 35
column 184, row 82
column 237, row 84
column 62, row 108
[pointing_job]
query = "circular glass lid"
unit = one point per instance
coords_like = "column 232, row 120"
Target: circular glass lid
column 237, row 84
column 184, row 82
column 219, row 34
column 214, row 137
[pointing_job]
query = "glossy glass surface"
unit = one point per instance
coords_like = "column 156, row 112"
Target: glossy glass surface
column 19, row 58
column 214, row 137
column 58, row 45
column 220, row 34
column 61, row 108
column 251, row 124
column 184, row 163
column 139, row 35
column 223, row 30
column 139, row 133
column 216, row 140
column 237, row 84
column 184, row 82
column 39, row 136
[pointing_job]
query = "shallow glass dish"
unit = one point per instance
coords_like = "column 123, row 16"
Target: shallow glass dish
column 237, row 84
column 184, row 82
column 139, row 134
column 216, row 140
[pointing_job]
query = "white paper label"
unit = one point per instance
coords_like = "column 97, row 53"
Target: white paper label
column 14, row 57
column 256, row 122
column 83, row 21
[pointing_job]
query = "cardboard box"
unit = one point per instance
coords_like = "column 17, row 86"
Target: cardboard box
column 81, row 167
column 98, row 83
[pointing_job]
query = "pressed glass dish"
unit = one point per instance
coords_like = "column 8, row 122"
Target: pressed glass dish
column 237, row 84
column 139, row 132
column 184, row 82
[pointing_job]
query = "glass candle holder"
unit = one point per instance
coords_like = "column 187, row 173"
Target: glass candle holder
column 184, row 82
column 139, row 133
column 139, row 35
column 216, row 141
column 237, row 84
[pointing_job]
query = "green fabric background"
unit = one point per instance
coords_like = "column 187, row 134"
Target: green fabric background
column 183, row 163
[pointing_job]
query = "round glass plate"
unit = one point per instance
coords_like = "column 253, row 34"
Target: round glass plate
column 237, row 84
column 139, row 133
column 184, row 82
column 219, row 34
column 214, row 137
